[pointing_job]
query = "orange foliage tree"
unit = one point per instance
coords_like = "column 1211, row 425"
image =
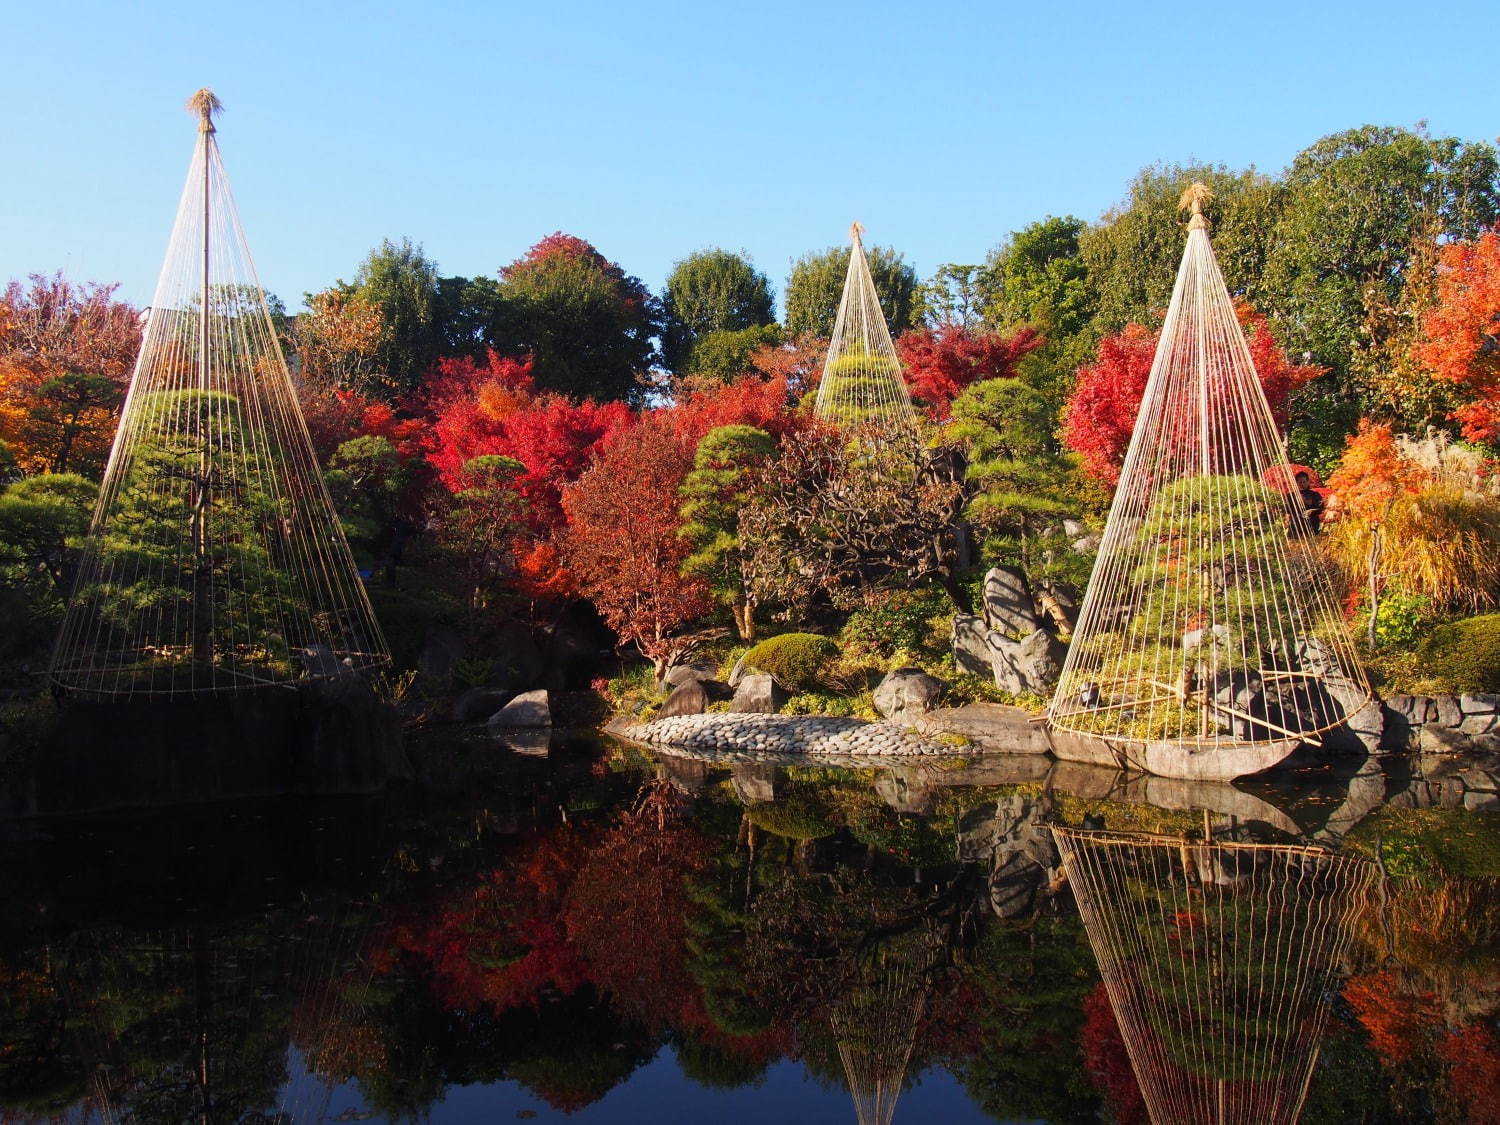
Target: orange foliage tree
column 66, row 354
column 1461, row 332
column 1370, row 478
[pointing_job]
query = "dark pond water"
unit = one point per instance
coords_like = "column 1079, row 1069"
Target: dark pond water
column 583, row 932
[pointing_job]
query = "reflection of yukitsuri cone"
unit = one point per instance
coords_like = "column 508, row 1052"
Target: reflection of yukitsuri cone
column 214, row 1008
column 1218, row 960
column 875, row 1021
column 215, row 561
column 862, row 383
column 1210, row 632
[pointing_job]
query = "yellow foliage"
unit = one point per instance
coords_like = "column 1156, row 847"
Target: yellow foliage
column 1442, row 543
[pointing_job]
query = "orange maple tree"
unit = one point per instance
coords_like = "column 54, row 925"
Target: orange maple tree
column 1461, row 332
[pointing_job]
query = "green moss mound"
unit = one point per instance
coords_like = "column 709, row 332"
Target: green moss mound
column 1465, row 655
column 799, row 661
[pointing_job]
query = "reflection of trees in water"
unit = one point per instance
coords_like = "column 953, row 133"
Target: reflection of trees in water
column 1429, row 999
column 1219, row 961
column 193, row 1023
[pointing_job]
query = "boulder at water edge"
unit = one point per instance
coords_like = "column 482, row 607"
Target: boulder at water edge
column 529, row 709
column 758, row 694
column 906, row 693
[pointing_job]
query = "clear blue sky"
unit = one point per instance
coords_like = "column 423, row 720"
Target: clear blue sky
column 656, row 129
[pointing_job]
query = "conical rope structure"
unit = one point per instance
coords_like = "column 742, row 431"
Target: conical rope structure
column 862, row 383
column 1211, row 642
column 1219, row 960
column 215, row 561
column 875, row 1020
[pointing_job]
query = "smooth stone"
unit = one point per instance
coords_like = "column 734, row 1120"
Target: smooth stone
column 529, row 709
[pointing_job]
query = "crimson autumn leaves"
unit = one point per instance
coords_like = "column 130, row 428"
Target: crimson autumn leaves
column 522, row 441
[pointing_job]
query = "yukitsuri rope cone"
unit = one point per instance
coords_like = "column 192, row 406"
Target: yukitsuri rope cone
column 862, row 383
column 1210, row 643
column 1219, row 960
column 215, row 562
column 875, row 1020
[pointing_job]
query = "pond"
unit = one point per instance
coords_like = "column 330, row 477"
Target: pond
column 584, row 931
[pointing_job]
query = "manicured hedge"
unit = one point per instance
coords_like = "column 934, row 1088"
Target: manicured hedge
column 799, row 661
column 1465, row 655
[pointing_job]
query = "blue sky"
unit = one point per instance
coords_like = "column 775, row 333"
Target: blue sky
column 656, row 129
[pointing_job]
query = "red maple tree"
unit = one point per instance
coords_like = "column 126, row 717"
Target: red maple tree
column 622, row 545
column 1100, row 414
column 940, row 362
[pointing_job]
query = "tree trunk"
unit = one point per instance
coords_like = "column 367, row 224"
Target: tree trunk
column 957, row 593
column 1374, row 579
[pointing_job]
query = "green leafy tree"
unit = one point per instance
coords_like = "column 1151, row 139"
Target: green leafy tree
column 723, row 357
column 712, row 495
column 586, row 323
column 817, row 282
column 43, row 523
column 366, row 479
column 955, row 294
column 1131, row 257
column 402, row 282
column 1349, row 262
column 708, row 292
column 1038, row 278
column 1019, row 479
column 190, row 535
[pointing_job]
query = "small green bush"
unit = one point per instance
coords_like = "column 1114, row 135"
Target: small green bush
column 799, row 661
column 1465, row 655
column 1401, row 618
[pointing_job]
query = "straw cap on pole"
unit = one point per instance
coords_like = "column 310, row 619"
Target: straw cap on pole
column 205, row 103
column 1197, row 194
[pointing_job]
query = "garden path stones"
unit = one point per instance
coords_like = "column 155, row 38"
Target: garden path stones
column 785, row 734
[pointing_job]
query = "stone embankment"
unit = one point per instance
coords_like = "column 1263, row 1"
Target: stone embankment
column 784, row 734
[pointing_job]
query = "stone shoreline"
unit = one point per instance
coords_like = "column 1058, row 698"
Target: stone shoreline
column 785, row 734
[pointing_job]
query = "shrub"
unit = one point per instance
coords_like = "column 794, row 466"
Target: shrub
column 1401, row 618
column 1465, row 655
column 799, row 661
column 897, row 621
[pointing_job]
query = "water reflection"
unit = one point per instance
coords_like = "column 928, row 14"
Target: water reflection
column 543, row 933
column 1219, row 959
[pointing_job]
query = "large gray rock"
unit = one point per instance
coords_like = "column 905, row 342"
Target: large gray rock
column 1008, row 605
column 529, row 709
column 906, row 693
column 971, row 645
column 1029, row 665
column 992, row 728
column 477, row 703
column 689, row 697
column 758, row 694
column 680, row 674
column 756, row 783
column 1448, row 713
